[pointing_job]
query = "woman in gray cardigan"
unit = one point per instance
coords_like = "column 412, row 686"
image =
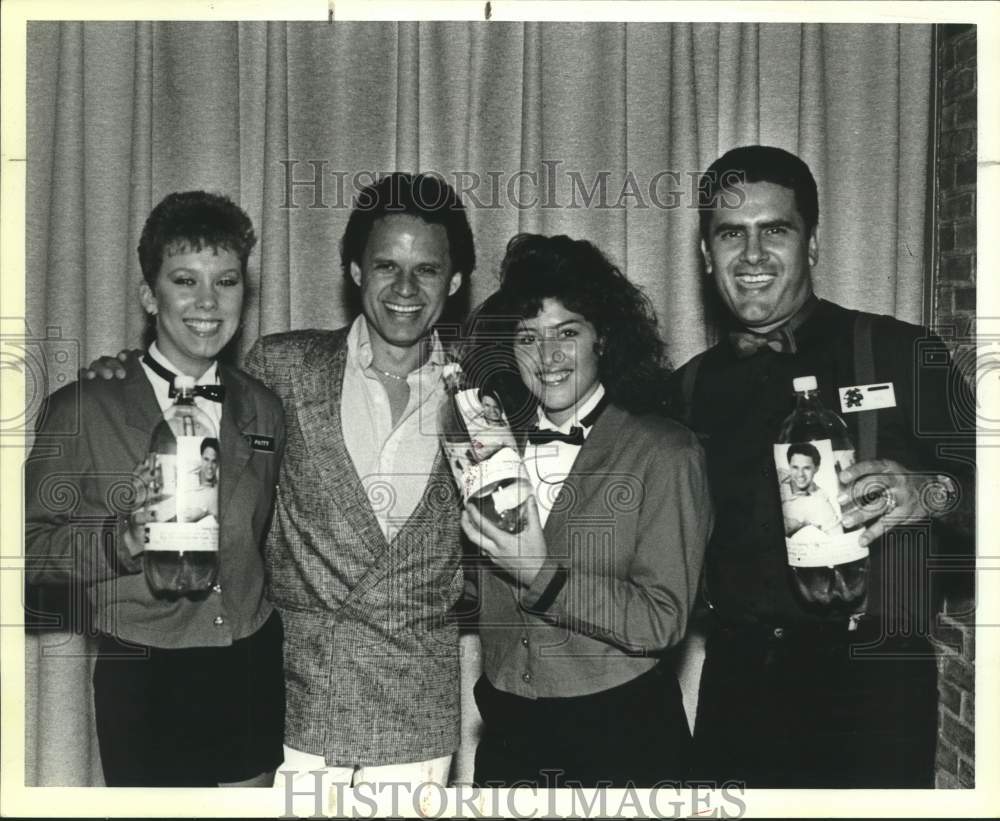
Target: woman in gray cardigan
column 577, row 610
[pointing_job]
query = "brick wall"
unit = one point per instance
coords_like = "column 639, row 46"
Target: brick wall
column 955, row 266
column 954, row 312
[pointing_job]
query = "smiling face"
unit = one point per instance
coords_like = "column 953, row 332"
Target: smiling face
column 405, row 277
column 209, row 466
column 197, row 299
column 761, row 256
column 556, row 353
column 491, row 409
column 802, row 471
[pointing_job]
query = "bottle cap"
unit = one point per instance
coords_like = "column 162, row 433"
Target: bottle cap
column 451, row 369
column 804, row 383
column 184, row 382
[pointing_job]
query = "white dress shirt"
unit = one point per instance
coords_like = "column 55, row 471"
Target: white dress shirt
column 394, row 463
column 549, row 464
column 162, row 388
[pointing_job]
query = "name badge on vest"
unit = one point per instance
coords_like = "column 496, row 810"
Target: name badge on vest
column 867, row 397
column 258, row 442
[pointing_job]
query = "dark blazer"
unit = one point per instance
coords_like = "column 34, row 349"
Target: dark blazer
column 91, row 436
column 371, row 659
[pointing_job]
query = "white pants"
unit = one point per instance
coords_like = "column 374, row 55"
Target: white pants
column 311, row 787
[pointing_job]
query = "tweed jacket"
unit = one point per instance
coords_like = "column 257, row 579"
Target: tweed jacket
column 371, row 658
column 90, row 437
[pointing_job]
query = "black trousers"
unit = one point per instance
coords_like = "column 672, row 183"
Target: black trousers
column 193, row 717
column 785, row 709
column 634, row 734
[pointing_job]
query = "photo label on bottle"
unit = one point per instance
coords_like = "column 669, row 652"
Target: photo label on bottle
column 512, row 495
column 186, row 513
column 484, row 478
column 809, row 487
column 485, row 422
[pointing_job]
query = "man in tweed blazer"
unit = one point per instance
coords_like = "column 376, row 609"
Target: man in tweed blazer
column 363, row 555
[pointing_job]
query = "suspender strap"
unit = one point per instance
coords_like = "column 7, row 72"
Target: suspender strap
column 864, row 374
column 690, row 377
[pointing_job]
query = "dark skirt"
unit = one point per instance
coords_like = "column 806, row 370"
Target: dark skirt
column 192, row 717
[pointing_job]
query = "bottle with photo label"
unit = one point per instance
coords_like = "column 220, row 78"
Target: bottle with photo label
column 181, row 545
column 481, row 451
column 828, row 563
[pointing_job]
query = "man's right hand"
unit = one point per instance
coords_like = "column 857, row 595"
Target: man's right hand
column 108, row 367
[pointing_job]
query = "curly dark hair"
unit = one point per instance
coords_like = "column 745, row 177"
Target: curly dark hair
column 422, row 195
column 194, row 220
column 803, row 449
column 632, row 367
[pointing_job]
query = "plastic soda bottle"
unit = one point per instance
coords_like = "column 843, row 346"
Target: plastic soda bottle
column 828, row 563
column 181, row 550
column 481, row 452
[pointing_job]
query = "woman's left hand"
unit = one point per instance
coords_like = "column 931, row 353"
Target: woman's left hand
column 520, row 554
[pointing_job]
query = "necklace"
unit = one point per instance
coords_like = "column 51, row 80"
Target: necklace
column 388, row 375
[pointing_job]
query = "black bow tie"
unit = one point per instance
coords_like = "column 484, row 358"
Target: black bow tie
column 543, row 436
column 575, row 436
column 215, row 393
column 748, row 343
column 781, row 340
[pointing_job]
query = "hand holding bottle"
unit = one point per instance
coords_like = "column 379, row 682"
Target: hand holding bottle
column 520, row 554
column 897, row 496
column 181, row 544
column 827, row 559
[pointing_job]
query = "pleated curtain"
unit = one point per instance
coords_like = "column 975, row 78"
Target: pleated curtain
column 595, row 130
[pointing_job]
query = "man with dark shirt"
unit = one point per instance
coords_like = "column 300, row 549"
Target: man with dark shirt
column 797, row 694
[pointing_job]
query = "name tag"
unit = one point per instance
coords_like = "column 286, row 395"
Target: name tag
column 867, row 397
column 258, row 442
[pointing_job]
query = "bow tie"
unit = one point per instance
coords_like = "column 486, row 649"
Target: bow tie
column 781, row 340
column 543, row 436
column 538, row 436
column 215, row 393
column 748, row 343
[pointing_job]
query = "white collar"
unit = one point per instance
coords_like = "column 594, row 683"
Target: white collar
column 544, row 423
column 359, row 346
column 210, row 377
